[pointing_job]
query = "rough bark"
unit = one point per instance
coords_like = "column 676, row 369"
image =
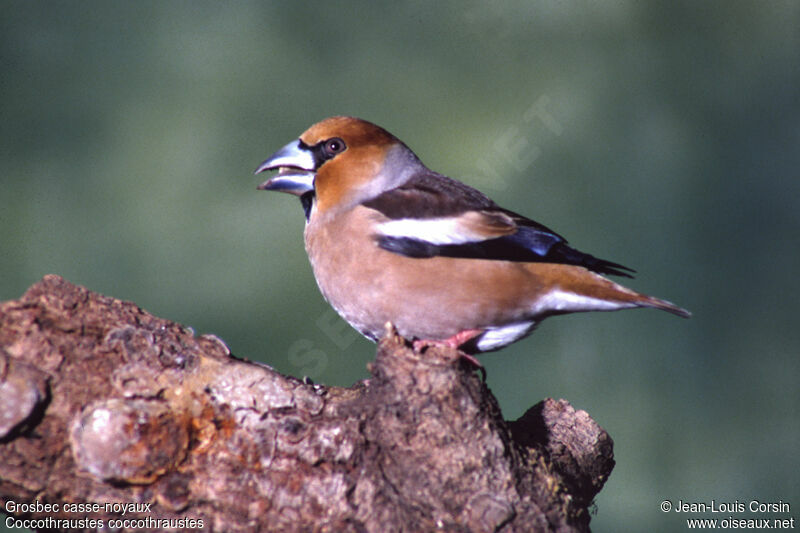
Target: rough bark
column 102, row 402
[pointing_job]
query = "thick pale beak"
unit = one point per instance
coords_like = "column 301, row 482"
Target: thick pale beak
column 295, row 165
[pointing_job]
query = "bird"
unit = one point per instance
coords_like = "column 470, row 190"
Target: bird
column 391, row 241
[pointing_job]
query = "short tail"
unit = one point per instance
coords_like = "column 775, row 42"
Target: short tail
column 592, row 292
column 657, row 303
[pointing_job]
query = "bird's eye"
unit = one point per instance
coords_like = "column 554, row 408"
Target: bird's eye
column 334, row 146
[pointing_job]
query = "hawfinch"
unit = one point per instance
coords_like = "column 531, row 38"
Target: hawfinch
column 390, row 240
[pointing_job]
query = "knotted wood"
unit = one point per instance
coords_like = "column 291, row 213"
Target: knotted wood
column 103, row 403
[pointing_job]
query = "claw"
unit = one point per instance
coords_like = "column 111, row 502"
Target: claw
column 455, row 341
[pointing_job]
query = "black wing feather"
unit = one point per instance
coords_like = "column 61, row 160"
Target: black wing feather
column 432, row 195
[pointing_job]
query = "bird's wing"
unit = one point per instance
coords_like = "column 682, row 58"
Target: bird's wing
column 433, row 215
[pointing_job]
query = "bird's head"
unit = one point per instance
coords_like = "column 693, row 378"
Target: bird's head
column 343, row 160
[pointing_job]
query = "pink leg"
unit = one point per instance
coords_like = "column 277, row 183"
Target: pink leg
column 453, row 342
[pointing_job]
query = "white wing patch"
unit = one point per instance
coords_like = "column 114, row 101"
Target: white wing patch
column 445, row 230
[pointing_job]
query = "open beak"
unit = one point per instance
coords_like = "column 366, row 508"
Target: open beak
column 296, row 167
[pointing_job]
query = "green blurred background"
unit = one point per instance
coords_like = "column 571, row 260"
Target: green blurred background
column 662, row 135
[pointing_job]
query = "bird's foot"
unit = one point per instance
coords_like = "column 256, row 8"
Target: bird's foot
column 451, row 342
column 454, row 342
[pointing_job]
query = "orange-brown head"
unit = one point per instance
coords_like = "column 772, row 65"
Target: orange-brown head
column 343, row 161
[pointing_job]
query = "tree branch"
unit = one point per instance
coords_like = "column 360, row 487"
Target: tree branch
column 105, row 403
